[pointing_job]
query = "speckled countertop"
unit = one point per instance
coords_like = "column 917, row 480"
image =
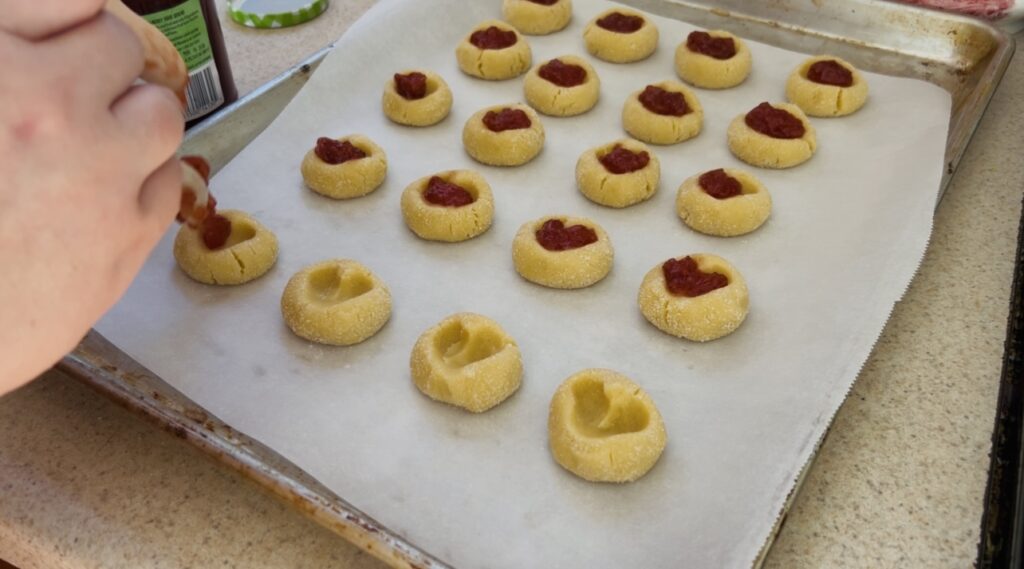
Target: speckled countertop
column 898, row 483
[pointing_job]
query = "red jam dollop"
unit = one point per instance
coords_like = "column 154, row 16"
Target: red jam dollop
column 711, row 46
column 411, row 86
column 623, row 161
column 215, row 231
column 334, row 152
column 621, row 23
column 720, row 185
column 684, row 278
column 545, row 2
column 662, row 102
column 830, row 72
column 776, row 123
column 563, row 74
column 506, row 119
column 444, row 193
column 555, row 236
column 493, row 38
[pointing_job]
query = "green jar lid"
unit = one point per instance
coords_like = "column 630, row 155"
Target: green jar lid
column 275, row 13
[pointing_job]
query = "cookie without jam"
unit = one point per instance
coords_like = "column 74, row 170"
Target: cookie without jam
column 338, row 302
column 603, row 427
column 468, row 361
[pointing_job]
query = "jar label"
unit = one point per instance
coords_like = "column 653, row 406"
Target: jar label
column 185, row 26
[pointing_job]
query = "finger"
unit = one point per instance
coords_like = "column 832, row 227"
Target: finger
column 152, row 123
column 103, row 39
column 160, row 196
column 39, row 19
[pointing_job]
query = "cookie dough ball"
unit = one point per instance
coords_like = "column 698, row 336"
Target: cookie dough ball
column 772, row 136
column 562, row 87
column 537, row 17
column 417, row 98
column 713, row 60
column 618, row 174
column 248, row 253
column 467, row 360
column 449, row 206
column 698, row 297
column 494, row 50
column 663, row 113
column 344, row 168
column 337, row 302
column 621, row 35
column 603, row 427
column 827, row 86
column 723, row 202
column 562, row 252
column 503, row 135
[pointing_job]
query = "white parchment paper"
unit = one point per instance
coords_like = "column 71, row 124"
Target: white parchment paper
column 743, row 413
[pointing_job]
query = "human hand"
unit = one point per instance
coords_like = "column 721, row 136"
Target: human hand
column 90, row 179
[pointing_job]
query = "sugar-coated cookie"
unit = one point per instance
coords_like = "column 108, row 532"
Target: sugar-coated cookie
column 714, row 59
column 562, row 87
column 618, row 174
column 663, row 113
column 346, row 167
column 338, row 302
column 417, row 98
column 699, row 297
column 723, row 202
column 603, row 427
column 561, row 251
column 621, row 35
column 495, row 51
column 503, row 135
column 448, row 206
column 772, row 136
column 467, row 360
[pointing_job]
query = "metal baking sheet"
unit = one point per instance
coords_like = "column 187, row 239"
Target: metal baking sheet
column 968, row 68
